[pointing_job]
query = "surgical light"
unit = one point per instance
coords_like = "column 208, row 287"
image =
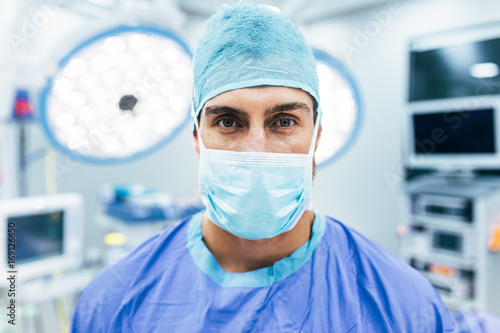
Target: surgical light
column 341, row 106
column 118, row 95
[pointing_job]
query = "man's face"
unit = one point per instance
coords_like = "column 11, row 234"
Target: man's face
column 258, row 119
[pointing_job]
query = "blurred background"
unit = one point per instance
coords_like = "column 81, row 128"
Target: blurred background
column 96, row 148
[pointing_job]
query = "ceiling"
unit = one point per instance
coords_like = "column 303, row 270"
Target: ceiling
column 300, row 11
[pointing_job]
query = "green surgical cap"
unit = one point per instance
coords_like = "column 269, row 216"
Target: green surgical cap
column 249, row 45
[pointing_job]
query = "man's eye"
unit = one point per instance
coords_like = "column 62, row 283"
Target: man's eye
column 285, row 122
column 226, row 122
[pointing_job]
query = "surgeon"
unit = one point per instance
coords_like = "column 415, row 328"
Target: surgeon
column 258, row 259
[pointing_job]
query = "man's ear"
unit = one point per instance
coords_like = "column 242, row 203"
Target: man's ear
column 196, row 142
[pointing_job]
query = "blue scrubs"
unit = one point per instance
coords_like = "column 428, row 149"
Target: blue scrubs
column 339, row 281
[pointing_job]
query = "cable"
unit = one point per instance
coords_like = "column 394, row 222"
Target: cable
column 34, row 156
column 50, row 171
column 23, row 176
column 62, row 314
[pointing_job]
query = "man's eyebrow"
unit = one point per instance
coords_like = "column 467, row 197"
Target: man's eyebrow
column 222, row 109
column 287, row 107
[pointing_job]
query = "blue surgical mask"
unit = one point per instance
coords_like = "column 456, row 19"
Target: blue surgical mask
column 256, row 195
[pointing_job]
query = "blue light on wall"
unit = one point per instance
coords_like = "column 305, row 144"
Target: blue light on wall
column 341, row 106
column 119, row 95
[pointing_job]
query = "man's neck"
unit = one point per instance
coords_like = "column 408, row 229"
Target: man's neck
column 235, row 254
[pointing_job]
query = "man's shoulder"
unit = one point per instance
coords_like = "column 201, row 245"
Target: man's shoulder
column 103, row 297
column 367, row 254
column 383, row 281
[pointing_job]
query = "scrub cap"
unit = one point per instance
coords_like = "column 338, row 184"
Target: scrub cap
column 249, row 45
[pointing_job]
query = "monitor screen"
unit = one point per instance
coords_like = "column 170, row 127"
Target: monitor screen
column 468, row 69
column 447, row 241
column 38, row 236
column 464, row 132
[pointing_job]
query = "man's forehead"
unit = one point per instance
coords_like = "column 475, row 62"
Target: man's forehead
column 264, row 89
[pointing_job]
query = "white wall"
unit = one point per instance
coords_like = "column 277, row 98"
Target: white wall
column 354, row 189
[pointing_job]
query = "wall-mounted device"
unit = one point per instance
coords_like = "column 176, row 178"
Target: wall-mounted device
column 453, row 121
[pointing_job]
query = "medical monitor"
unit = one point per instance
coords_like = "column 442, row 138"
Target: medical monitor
column 452, row 135
column 41, row 235
column 459, row 63
column 446, row 138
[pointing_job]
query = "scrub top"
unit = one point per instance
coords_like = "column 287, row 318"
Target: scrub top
column 338, row 281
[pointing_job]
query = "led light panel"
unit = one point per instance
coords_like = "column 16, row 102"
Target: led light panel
column 118, row 95
column 341, row 106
